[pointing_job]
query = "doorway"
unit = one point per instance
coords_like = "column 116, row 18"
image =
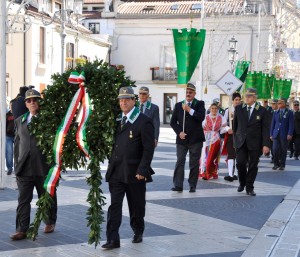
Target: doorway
column 170, row 99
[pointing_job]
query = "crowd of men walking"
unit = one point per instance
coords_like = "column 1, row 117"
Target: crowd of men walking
column 243, row 133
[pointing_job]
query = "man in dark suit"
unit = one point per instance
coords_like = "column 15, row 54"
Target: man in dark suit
column 186, row 121
column 149, row 109
column 250, row 129
column 296, row 136
column 129, row 169
column 31, row 169
column 265, row 104
column 281, row 132
column 274, row 106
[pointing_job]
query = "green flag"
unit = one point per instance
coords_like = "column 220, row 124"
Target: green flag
column 188, row 48
column 250, row 80
column 241, row 70
column 264, row 91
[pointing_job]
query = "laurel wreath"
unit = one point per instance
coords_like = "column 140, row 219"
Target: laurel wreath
column 102, row 83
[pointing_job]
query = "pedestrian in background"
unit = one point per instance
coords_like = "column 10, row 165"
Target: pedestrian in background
column 281, row 132
column 31, row 169
column 129, row 169
column 228, row 140
column 274, row 106
column 250, row 129
column 18, row 104
column 296, row 135
column 149, row 109
column 9, row 143
column 187, row 121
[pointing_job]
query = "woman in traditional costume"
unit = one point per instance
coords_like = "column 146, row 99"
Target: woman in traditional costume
column 213, row 125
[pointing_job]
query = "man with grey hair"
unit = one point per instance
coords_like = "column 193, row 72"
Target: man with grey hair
column 281, row 132
column 250, row 129
column 149, row 109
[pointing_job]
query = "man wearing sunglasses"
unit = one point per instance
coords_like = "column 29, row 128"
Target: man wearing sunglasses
column 186, row 121
column 149, row 109
column 30, row 169
column 281, row 132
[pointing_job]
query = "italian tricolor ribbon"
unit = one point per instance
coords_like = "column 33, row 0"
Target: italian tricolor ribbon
column 81, row 97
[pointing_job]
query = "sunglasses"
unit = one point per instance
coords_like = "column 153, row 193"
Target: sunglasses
column 296, row 104
column 31, row 100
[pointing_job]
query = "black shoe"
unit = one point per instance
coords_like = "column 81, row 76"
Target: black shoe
column 291, row 156
column 137, row 239
column 177, row 189
column 251, row 193
column 111, row 245
column 228, row 178
column 281, row 168
column 192, row 189
column 296, row 158
column 9, row 172
column 240, row 189
column 271, row 161
column 235, row 177
column 275, row 167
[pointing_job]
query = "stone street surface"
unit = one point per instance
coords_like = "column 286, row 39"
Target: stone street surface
column 216, row 221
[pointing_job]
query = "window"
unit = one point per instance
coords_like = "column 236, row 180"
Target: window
column 97, row 8
column 174, row 7
column 57, row 6
column 84, row 8
column 49, row 6
column 69, row 55
column 42, row 45
column 196, row 7
column 94, row 27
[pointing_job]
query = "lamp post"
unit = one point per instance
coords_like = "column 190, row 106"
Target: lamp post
column 14, row 19
column 69, row 12
column 232, row 57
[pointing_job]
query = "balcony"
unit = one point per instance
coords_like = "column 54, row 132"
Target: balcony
column 164, row 74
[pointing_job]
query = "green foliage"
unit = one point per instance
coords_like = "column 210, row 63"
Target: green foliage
column 102, row 84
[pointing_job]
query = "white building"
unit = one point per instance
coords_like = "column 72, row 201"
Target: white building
column 143, row 43
column 32, row 57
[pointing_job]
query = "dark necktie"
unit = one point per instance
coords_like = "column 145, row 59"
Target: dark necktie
column 123, row 121
column 280, row 114
column 189, row 104
column 249, row 112
column 142, row 108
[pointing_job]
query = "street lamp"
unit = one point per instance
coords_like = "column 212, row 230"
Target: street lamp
column 232, row 53
column 232, row 57
column 69, row 12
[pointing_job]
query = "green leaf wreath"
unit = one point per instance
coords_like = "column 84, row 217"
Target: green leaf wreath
column 102, row 83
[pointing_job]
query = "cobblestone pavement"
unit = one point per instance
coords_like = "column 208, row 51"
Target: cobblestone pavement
column 216, row 221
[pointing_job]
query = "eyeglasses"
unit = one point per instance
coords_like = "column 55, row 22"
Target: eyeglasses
column 31, row 100
column 143, row 93
column 189, row 92
column 296, row 104
column 280, row 103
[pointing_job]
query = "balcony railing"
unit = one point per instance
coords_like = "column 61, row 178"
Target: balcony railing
column 164, row 74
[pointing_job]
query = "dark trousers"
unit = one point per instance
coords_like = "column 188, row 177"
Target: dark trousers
column 297, row 145
column 294, row 145
column 247, row 161
column 136, row 199
column 26, row 186
column 280, row 146
column 181, row 152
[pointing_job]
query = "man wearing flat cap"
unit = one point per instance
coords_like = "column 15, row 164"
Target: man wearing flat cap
column 31, row 169
column 186, row 121
column 250, row 129
column 149, row 109
column 129, row 169
column 281, row 132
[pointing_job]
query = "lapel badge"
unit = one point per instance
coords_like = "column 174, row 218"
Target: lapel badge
column 258, row 117
column 130, row 134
